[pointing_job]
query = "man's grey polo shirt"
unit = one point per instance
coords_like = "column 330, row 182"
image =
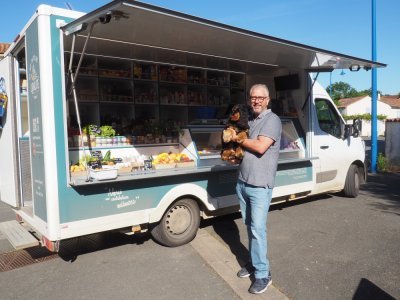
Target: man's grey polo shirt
column 260, row 170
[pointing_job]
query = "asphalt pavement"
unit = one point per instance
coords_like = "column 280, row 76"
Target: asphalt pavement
column 324, row 247
column 115, row 266
column 329, row 246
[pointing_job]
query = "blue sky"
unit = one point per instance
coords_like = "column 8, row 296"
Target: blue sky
column 342, row 26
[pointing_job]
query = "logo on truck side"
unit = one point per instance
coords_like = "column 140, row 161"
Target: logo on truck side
column 34, row 77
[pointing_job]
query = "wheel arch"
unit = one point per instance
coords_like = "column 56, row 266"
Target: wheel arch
column 187, row 190
column 362, row 169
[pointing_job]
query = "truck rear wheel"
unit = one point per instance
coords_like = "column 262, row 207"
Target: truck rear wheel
column 352, row 184
column 179, row 224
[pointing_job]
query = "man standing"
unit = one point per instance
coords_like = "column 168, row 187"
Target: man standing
column 255, row 183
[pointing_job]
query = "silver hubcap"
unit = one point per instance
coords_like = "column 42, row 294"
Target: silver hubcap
column 178, row 219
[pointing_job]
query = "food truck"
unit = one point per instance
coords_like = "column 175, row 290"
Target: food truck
column 114, row 119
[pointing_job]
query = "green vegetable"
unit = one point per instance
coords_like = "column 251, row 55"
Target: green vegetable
column 107, row 131
column 89, row 158
column 107, row 157
column 91, row 130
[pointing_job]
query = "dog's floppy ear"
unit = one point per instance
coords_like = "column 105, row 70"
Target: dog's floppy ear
column 236, row 108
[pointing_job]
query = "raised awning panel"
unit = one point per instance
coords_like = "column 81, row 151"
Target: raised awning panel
column 147, row 32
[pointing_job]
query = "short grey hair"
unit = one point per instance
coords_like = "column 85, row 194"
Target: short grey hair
column 259, row 85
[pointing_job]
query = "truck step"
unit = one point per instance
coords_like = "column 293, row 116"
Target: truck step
column 18, row 235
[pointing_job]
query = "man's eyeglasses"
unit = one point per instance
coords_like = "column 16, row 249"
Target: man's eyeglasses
column 257, row 98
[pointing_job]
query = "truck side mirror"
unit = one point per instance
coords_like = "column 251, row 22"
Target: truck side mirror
column 347, row 130
column 356, row 127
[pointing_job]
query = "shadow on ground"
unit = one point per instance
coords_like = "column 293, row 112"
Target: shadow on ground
column 385, row 186
column 227, row 229
column 367, row 290
column 72, row 248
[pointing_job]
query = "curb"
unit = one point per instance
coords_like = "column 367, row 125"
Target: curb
column 224, row 263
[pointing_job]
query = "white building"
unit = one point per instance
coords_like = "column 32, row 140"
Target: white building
column 388, row 106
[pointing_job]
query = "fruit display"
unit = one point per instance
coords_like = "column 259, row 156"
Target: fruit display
column 77, row 168
column 165, row 158
column 171, row 160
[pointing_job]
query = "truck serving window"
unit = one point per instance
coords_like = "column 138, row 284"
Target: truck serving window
column 328, row 119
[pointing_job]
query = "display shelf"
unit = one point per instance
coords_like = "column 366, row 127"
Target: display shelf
column 291, row 143
column 87, row 71
column 89, row 113
column 143, row 71
column 145, row 92
column 114, row 68
column 172, row 94
column 123, row 146
column 218, row 96
column 218, row 78
column 86, row 89
column 196, row 76
column 117, row 99
column 139, row 104
column 207, row 140
column 150, row 86
column 237, row 81
column 172, row 74
column 173, row 104
column 237, row 95
column 115, row 90
column 88, row 65
column 136, row 175
column 117, row 74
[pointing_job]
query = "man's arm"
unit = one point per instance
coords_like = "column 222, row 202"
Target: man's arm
column 259, row 145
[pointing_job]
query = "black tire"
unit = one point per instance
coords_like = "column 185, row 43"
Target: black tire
column 179, row 224
column 352, row 184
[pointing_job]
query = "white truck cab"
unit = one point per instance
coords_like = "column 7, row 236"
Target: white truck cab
column 341, row 152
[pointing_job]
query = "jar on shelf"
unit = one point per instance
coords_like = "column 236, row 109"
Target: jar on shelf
column 99, row 141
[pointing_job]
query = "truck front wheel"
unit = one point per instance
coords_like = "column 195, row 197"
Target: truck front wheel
column 179, row 224
column 352, row 184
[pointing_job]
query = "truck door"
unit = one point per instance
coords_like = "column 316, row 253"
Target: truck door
column 329, row 146
column 15, row 166
column 8, row 141
column 23, row 126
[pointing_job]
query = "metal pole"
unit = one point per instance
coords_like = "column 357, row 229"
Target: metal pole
column 374, row 106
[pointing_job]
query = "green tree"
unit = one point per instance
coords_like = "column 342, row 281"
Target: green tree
column 341, row 90
column 367, row 92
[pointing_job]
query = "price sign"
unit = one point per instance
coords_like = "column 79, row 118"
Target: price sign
column 97, row 157
column 97, row 154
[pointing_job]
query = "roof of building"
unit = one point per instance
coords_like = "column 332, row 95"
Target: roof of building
column 343, row 103
column 392, row 101
column 4, row 47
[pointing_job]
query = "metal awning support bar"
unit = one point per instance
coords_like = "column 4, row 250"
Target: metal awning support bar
column 83, row 50
column 73, row 77
column 309, row 91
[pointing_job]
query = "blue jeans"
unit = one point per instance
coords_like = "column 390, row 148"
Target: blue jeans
column 254, row 204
